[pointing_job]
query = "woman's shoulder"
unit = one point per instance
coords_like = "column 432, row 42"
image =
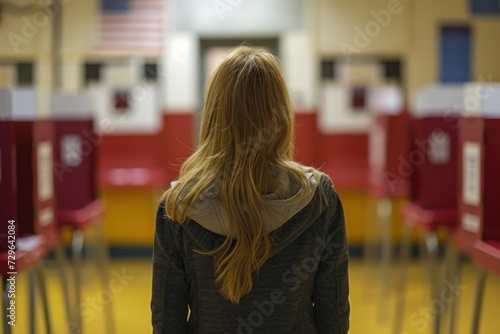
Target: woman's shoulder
column 313, row 173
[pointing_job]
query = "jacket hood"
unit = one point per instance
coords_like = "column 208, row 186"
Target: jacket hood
column 207, row 222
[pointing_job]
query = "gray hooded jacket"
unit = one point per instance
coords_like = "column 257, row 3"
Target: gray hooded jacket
column 302, row 288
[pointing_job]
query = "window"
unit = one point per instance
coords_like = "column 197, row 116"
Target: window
column 92, row 72
column 114, row 5
column 328, row 69
column 151, row 72
column 485, row 7
column 455, row 54
column 392, row 70
column 24, row 74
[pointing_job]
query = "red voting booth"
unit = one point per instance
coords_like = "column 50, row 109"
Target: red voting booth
column 479, row 163
column 75, row 146
column 432, row 169
column 478, row 231
column 479, row 181
column 389, row 147
column 490, row 227
column 35, row 181
column 78, row 206
column 27, row 183
column 469, row 173
column 27, row 190
column 27, row 215
column 8, row 180
column 433, row 163
column 388, row 143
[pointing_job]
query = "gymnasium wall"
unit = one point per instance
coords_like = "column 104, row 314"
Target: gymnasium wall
column 329, row 29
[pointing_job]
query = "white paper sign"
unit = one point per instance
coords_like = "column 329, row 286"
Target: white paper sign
column 46, row 216
column 471, row 173
column 439, row 148
column 71, row 150
column 470, row 223
column 44, row 161
column 377, row 142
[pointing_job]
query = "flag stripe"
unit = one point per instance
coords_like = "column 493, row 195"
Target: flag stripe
column 139, row 29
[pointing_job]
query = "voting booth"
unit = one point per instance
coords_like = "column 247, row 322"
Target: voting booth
column 479, row 162
column 27, row 163
column 8, row 181
column 389, row 141
column 432, row 161
column 75, row 150
column 35, row 183
column 431, row 166
column 78, row 206
column 27, row 193
column 11, row 102
column 75, row 162
column 478, row 231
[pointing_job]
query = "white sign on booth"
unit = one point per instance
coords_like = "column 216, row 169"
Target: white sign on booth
column 44, row 176
column 472, row 173
column 71, row 150
column 439, row 148
column 377, row 147
column 471, row 223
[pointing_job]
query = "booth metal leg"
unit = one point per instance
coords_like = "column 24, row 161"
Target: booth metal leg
column 456, row 271
column 431, row 242
column 77, row 248
column 401, row 286
column 478, row 303
column 370, row 247
column 384, row 214
column 45, row 303
column 63, row 273
column 102, row 263
column 32, row 301
column 448, row 276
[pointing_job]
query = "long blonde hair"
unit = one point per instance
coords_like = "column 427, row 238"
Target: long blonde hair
column 246, row 134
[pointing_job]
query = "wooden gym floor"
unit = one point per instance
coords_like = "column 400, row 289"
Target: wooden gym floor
column 369, row 312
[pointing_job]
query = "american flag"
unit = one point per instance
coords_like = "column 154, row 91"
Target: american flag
column 131, row 27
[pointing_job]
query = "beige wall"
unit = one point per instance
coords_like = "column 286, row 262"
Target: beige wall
column 423, row 60
column 338, row 20
column 412, row 33
column 80, row 24
column 486, row 55
column 429, row 16
column 27, row 34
